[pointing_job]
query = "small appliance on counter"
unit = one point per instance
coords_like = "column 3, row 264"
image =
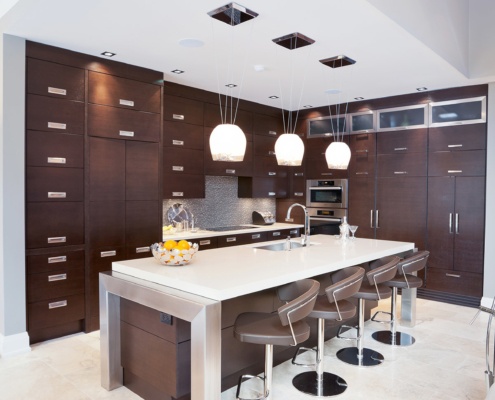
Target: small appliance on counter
column 263, row 218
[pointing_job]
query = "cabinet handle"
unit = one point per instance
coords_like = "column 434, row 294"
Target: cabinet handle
column 178, row 194
column 272, row 173
column 455, row 171
column 362, row 173
column 371, row 219
column 453, row 275
column 456, row 223
column 109, row 253
column 177, row 168
column 126, row 133
column 124, row 102
column 400, row 149
column 231, row 239
column 57, row 125
column 271, row 153
column 257, row 236
column 298, row 194
column 454, row 145
column 59, row 259
column 327, row 173
column 59, row 239
column 57, row 195
column 57, row 304
column 361, row 151
column 377, row 220
column 293, row 232
column 230, row 171
column 298, row 173
column 178, row 116
column 271, row 193
column 142, row 249
column 276, row 234
column 204, row 242
column 450, row 223
column 178, row 142
column 272, row 133
column 400, row 172
column 56, row 160
column 59, row 277
column 53, row 90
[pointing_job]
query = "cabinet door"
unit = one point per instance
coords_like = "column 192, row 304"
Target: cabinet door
column 401, row 207
column 183, row 161
column 262, row 187
column 106, row 169
column 362, row 206
column 457, row 138
column 142, row 226
column 142, row 164
column 49, row 149
column 183, row 186
column 182, row 109
column 467, row 163
column 268, row 167
column 179, row 135
column 297, row 183
column 407, row 164
column 54, row 184
column 107, row 226
column 398, row 142
column 264, row 145
column 267, row 125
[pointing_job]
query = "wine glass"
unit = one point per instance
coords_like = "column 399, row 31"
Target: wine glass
column 353, row 229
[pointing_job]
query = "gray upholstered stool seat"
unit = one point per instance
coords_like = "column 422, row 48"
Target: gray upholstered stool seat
column 326, row 310
column 286, row 327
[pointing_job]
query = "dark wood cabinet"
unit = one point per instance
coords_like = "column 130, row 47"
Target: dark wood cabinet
column 49, row 149
column 457, row 138
column 265, row 187
column 399, row 142
column 316, row 163
column 407, row 164
column 183, row 161
column 141, row 228
column 243, row 119
column 297, row 183
column 361, row 207
column 182, row 109
column 264, row 145
column 57, row 283
column 183, row 186
column 108, row 221
column 455, row 282
column 461, row 163
column 267, row 125
column 178, row 135
column 142, row 171
column 54, row 184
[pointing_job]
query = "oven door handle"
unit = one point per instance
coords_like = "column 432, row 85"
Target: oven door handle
column 325, row 219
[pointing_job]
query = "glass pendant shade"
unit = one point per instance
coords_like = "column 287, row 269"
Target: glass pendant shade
column 227, row 143
column 289, row 149
column 338, row 155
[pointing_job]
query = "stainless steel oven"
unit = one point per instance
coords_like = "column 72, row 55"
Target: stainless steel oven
column 326, row 221
column 326, row 193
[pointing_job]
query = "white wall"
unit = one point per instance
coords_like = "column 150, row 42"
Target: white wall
column 13, row 335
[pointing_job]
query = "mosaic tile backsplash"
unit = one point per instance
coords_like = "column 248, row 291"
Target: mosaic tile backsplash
column 221, row 206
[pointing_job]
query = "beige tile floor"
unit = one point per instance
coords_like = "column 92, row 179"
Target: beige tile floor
column 446, row 362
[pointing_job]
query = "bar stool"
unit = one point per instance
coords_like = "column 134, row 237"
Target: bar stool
column 331, row 306
column 404, row 280
column 371, row 290
column 284, row 328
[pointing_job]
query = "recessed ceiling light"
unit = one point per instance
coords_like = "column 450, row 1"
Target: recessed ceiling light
column 273, row 97
column 422, row 89
column 108, row 54
column 333, row 91
column 259, row 67
column 307, row 106
column 231, row 85
column 177, row 71
column 190, row 42
column 358, row 98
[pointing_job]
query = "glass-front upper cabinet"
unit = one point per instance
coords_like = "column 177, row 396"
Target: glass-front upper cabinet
column 362, row 122
column 410, row 117
column 327, row 126
column 458, row 112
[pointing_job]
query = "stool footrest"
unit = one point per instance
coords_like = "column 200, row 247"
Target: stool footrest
column 373, row 318
column 299, row 351
column 340, row 332
column 243, row 378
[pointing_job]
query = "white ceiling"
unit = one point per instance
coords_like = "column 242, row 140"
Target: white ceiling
column 398, row 45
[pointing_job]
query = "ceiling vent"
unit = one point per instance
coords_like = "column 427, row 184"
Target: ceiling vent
column 233, row 14
column 338, row 61
column 293, row 41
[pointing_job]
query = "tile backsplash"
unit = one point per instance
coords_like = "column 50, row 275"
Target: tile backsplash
column 221, row 206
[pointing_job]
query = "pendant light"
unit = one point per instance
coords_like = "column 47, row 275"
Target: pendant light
column 227, row 140
column 289, row 147
column 338, row 153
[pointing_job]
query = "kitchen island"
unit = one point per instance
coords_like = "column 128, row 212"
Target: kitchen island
column 195, row 292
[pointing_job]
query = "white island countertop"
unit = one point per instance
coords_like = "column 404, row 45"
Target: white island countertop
column 229, row 272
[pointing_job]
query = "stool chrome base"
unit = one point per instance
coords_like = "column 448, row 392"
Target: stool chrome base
column 350, row 356
column 330, row 385
column 393, row 338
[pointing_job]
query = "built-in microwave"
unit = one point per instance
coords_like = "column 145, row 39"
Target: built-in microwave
column 326, row 193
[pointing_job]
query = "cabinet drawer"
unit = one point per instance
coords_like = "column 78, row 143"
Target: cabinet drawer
column 225, row 168
column 54, row 115
column 262, row 187
column 267, row 125
column 55, row 80
column 183, row 110
column 179, row 135
column 116, row 123
column 258, row 237
column 133, row 252
column 54, row 284
column 244, row 119
column 264, row 145
column 55, row 311
column 451, row 281
column 49, row 149
column 60, row 259
column 143, row 221
column 362, row 144
column 448, row 163
column 107, row 223
column 362, row 166
column 457, row 138
column 124, row 93
column 407, row 164
column 54, row 224
column 206, row 243
column 268, row 167
column 183, row 186
column 317, row 168
column 183, row 161
column 411, row 141
column 54, row 184
column 234, row 240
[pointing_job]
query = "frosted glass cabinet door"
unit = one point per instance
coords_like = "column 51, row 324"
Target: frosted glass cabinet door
column 458, row 112
column 402, row 118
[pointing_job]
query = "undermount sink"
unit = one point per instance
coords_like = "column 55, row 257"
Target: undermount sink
column 280, row 246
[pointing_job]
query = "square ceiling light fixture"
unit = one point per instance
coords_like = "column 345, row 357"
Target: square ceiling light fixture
column 338, row 61
column 293, row 41
column 233, row 14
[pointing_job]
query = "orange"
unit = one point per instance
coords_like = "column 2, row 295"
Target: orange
column 170, row 244
column 183, row 245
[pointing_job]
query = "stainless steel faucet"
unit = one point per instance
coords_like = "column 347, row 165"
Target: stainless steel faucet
column 305, row 237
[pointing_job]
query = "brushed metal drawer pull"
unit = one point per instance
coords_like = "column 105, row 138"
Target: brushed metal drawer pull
column 271, row 193
column 454, row 145
column 124, row 102
column 58, row 239
column 177, row 168
column 57, row 195
column 142, row 249
column 327, row 173
column 400, row 172
column 271, row 153
column 231, row 239
column 362, row 173
column 257, row 236
column 126, row 133
column 204, row 242
column 276, row 234
column 400, row 149
column 272, row 133
column 56, row 160
column 361, row 151
column 59, row 277
column 178, row 194
column 230, row 171
column 298, row 194
column 59, row 259
column 272, row 173
column 455, row 171
column 109, row 253
column 57, row 125
column 293, row 232
column 54, row 90
column 178, row 142
column 453, row 275
column 178, row 116
column 298, row 173
column 57, row 304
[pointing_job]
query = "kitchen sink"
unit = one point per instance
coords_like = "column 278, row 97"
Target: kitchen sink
column 280, row 246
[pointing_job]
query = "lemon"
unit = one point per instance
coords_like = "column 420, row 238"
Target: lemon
column 183, row 245
column 170, row 244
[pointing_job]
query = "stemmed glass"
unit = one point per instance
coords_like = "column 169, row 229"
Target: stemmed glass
column 353, row 229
